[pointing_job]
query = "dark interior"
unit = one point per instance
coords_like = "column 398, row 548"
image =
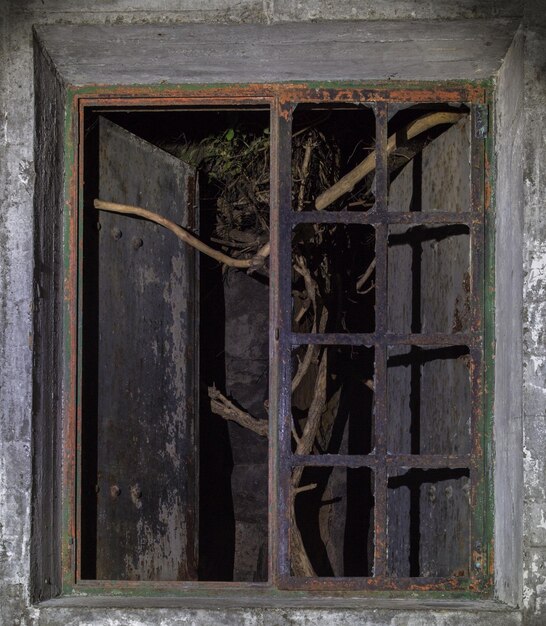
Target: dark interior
column 219, row 469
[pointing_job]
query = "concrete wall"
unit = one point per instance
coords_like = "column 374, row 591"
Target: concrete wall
column 534, row 316
column 508, row 310
column 17, row 173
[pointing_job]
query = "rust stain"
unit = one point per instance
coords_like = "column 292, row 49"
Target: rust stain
column 70, row 449
column 169, row 95
column 268, row 94
column 487, row 186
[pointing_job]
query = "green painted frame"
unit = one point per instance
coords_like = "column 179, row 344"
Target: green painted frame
column 276, row 96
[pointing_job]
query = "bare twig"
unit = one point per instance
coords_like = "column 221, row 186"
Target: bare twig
column 367, row 290
column 256, row 262
column 299, row 560
column 312, row 351
column 362, row 279
column 347, row 183
column 226, row 409
column 305, row 305
column 230, row 244
column 304, row 488
column 304, row 172
column 314, row 414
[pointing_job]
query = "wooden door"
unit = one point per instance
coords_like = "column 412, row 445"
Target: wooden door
column 146, row 366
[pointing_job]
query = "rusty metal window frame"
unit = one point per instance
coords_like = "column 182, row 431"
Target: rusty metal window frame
column 282, row 100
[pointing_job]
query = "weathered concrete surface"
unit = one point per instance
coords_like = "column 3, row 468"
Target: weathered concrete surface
column 273, row 617
column 16, row 297
column 397, row 9
column 16, row 191
column 508, row 310
column 534, row 317
column 250, row 53
column 274, row 10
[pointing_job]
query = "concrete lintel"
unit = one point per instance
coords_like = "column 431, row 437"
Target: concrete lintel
column 148, row 54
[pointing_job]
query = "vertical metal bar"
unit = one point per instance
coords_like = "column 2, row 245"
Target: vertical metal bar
column 477, row 230
column 70, row 342
column 478, row 470
column 488, row 349
column 79, row 426
column 279, row 341
column 381, row 251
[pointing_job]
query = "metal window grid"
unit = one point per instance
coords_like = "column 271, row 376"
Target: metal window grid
column 282, row 99
column 383, row 462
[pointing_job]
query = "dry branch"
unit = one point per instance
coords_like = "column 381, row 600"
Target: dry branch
column 362, row 279
column 348, row 182
column 299, row 560
column 256, row 262
column 312, row 350
column 308, row 487
column 318, row 412
column 304, row 172
column 344, row 185
column 312, row 424
column 220, row 405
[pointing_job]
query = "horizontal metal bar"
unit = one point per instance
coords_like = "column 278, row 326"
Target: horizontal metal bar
column 187, row 109
column 87, row 585
column 287, row 92
column 388, row 339
column 334, row 460
column 381, row 92
column 334, row 339
column 418, row 461
column 379, row 582
column 372, row 217
column 335, row 217
column 428, row 461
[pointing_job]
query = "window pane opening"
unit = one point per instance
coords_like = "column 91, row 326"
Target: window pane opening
column 429, row 400
column 175, row 358
column 332, row 532
column 174, row 344
column 429, row 278
column 333, row 152
column 429, row 523
column 429, row 160
column 333, row 287
column 333, row 400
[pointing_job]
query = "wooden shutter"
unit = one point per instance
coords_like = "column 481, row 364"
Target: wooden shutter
column 146, row 366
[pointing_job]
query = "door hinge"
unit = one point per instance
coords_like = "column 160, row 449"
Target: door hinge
column 481, row 121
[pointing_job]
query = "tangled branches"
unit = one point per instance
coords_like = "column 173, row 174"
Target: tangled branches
column 237, row 167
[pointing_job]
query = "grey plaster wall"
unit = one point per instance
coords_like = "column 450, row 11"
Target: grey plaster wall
column 17, row 173
column 534, row 317
column 508, row 311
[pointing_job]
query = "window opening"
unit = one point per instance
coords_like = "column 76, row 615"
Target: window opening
column 373, row 390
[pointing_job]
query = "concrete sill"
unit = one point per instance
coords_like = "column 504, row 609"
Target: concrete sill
column 279, row 601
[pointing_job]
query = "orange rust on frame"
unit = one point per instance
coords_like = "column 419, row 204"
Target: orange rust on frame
column 487, row 186
column 139, row 101
column 70, row 393
column 78, row 413
column 285, row 92
column 453, row 583
column 491, row 560
column 162, row 92
column 468, row 93
column 248, row 94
